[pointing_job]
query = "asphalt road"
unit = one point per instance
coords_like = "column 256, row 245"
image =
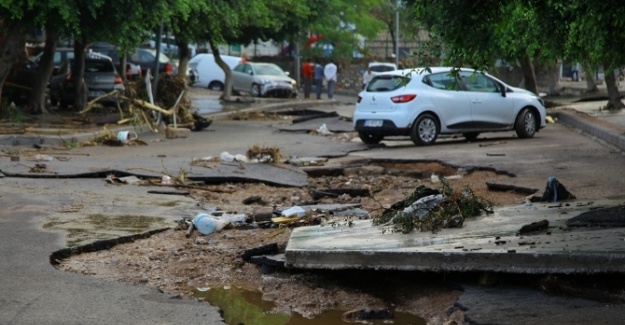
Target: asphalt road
column 35, row 292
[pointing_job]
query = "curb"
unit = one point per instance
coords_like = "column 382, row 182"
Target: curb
column 607, row 132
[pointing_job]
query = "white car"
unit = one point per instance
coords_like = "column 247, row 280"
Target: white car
column 204, row 71
column 424, row 103
column 263, row 79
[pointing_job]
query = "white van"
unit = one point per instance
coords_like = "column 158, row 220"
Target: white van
column 205, row 73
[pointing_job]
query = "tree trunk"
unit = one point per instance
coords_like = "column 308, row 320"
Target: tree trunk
column 37, row 101
column 78, row 73
column 184, row 54
column 591, row 85
column 391, row 30
column 614, row 97
column 528, row 74
column 9, row 49
column 228, row 74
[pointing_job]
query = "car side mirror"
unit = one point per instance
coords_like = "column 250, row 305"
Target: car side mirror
column 251, row 73
column 503, row 90
column 287, row 73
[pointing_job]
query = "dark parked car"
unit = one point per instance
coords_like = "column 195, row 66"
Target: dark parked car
column 100, row 77
column 145, row 58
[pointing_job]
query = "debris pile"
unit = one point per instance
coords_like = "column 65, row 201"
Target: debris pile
column 428, row 209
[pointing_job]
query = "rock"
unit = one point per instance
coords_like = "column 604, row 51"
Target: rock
column 263, row 214
column 174, row 133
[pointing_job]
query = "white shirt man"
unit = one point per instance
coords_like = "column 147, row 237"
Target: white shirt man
column 329, row 72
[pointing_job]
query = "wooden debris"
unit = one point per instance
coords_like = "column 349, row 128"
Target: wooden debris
column 505, row 187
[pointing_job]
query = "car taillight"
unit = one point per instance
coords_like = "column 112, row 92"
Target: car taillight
column 403, row 98
column 168, row 68
column 118, row 79
column 359, row 99
column 69, row 78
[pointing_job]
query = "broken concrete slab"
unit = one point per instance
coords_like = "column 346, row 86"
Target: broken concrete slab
column 89, row 167
column 334, row 124
column 486, row 243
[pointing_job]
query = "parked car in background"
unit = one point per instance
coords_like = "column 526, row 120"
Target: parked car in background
column 204, row 71
column 146, row 58
column 263, row 79
column 378, row 67
column 100, row 78
column 426, row 103
column 133, row 70
column 60, row 54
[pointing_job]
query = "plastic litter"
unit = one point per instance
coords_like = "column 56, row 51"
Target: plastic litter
column 40, row 157
column 424, row 205
column 206, row 224
column 226, row 156
column 295, row 211
column 323, row 130
column 166, row 180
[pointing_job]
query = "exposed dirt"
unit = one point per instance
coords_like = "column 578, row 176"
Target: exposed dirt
column 178, row 265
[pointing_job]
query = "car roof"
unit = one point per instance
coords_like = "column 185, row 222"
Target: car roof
column 423, row 71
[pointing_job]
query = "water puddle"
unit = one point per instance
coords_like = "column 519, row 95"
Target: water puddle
column 81, row 229
column 248, row 308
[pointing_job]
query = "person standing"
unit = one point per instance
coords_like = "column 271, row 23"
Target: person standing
column 366, row 77
column 318, row 77
column 329, row 72
column 307, row 75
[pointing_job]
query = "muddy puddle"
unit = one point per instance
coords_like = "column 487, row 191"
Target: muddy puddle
column 97, row 226
column 247, row 307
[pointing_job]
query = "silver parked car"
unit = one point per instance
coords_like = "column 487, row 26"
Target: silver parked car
column 424, row 103
column 263, row 80
column 100, row 78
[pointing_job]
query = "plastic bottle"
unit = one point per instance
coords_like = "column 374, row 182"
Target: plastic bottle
column 204, row 223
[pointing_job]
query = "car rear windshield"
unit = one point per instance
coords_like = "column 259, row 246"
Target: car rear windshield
column 381, row 68
column 98, row 65
column 387, row 83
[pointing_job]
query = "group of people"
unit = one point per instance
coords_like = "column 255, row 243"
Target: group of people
column 317, row 73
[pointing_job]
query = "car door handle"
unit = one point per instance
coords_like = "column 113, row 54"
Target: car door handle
column 476, row 101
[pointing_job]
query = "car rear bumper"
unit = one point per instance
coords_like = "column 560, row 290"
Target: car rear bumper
column 387, row 127
column 277, row 89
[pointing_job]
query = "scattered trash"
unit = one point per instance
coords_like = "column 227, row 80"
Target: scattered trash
column 227, row 157
column 435, row 179
column 166, row 180
column 424, row 205
column 130, row 179
column 555, row 191
column 206, row 224
column 283, row 220
column 549, row 120
column 264, row 154
column 295, row 211
column 429, row 209
column 40, row 157
column 323, row 130
column 124, row 136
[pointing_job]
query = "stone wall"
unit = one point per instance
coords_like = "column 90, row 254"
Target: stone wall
column 350, row 74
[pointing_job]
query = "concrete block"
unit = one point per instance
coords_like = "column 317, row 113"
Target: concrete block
column 174, row 133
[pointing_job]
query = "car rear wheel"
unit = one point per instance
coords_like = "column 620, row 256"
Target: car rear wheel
column 216, row 86
column 255, row 90
column 424, row 130
column 525, row 125
column 370, row 138
column 470, row 136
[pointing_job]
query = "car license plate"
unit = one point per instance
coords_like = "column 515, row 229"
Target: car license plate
column 94, row 94
column 373, row 123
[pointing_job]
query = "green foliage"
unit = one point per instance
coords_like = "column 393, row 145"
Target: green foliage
column 450, row 212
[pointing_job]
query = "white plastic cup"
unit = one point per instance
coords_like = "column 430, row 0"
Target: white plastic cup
column 122, row 136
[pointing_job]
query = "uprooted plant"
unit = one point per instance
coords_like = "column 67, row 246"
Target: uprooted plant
column 428, row 209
